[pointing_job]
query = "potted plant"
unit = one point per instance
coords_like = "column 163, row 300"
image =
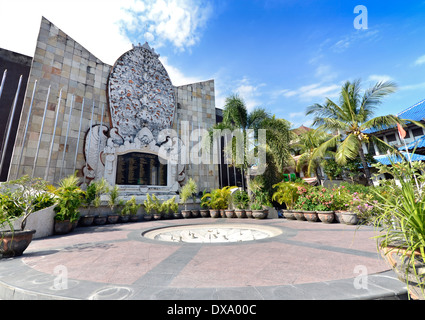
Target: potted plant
column 132, row 208
column 241, row 200
column 150, row 206
column 18, row 199
column 258, row 211
column 170, row 207
column 205, row 205
column 160, row 208
column 286, row 193
column 210, row 200
column 400, row 219
column 101, row 187
column 186, row 192
column 87, row 214
column 113, row 216
column 69, row 197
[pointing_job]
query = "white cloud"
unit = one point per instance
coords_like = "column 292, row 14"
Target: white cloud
column 380, row 78
column 178, row 78
column 250, row 93
column 420, row 61
column 314, row 91
column 325, row 73
column 175, row 21
column 106, row 28
column 353, row 38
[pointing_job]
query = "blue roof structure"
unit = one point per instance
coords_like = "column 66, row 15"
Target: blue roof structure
column 392, row 159
column 418, row 143
column 416, row 112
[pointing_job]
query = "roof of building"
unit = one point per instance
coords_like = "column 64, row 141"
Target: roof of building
column 300, row 130
column 415, row 112
column 418, row 143
column 392, row 159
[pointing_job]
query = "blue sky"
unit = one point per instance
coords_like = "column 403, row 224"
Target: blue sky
column 283, row 55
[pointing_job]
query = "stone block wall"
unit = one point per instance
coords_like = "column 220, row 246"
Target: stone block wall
column 63, row 64
column 196, row 105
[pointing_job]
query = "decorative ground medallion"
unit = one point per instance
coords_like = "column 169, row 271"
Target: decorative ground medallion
column 212, row 233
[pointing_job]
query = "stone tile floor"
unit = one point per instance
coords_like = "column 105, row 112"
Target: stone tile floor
column 306, row 261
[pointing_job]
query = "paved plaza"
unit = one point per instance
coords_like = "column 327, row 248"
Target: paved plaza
column 304, row 261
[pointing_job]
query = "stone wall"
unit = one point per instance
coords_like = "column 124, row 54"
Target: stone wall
column 196, row 105
column 63, row 64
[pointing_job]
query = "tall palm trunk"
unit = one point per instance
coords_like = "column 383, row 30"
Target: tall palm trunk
column 365, row 167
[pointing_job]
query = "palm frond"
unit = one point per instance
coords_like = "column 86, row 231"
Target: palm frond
column 348, row 149
column 373, row 96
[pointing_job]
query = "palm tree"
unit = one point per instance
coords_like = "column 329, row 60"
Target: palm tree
column 350, row 118
column 306, row 145
column 278, row 135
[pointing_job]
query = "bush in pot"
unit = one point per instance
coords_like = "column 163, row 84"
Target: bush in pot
column 286, row 193
column 187, row 191
column 401, row 222
column 19, row 199
column 150, row 206
column 113, row 216
column 205, row 205
column 131, row 207
column 241, row 201
column 69, row 198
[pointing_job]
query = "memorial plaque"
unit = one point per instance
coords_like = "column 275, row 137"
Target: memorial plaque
column 142, row 169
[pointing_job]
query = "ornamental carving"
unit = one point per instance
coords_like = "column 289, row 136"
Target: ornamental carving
column 141, row 94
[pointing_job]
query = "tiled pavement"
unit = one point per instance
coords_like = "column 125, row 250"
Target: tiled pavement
column 307, row 261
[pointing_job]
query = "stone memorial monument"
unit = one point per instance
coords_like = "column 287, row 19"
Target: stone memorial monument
column 80, row 114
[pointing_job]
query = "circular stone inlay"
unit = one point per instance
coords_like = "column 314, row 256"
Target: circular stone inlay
column 212, row 233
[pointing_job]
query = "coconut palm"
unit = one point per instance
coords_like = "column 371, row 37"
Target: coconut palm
column 349, row 119
column 278, row 135
column 306, row 145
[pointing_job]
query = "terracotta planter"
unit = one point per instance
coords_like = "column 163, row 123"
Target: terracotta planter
column 186, row 214
column 222, row 213
column 350, row 218
column 100, row 220
column 177, row 215
column 113, row 218
column 230, row 213
column 63, row 227
column 248, row 213
column 338, row 216
column 326, row 216
column 157, row 216
column 168, row 216
column 205, row 213
column 124, row 218
column 147, row 217
column 240, row 213
column 86, row 221
column 259, row 214
column 299, row 215
column 214, row 213
column 404, row 271
column 311, row 216
column 195, row 213
column 13, row 244
column 134, row 218
column 289, row 214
